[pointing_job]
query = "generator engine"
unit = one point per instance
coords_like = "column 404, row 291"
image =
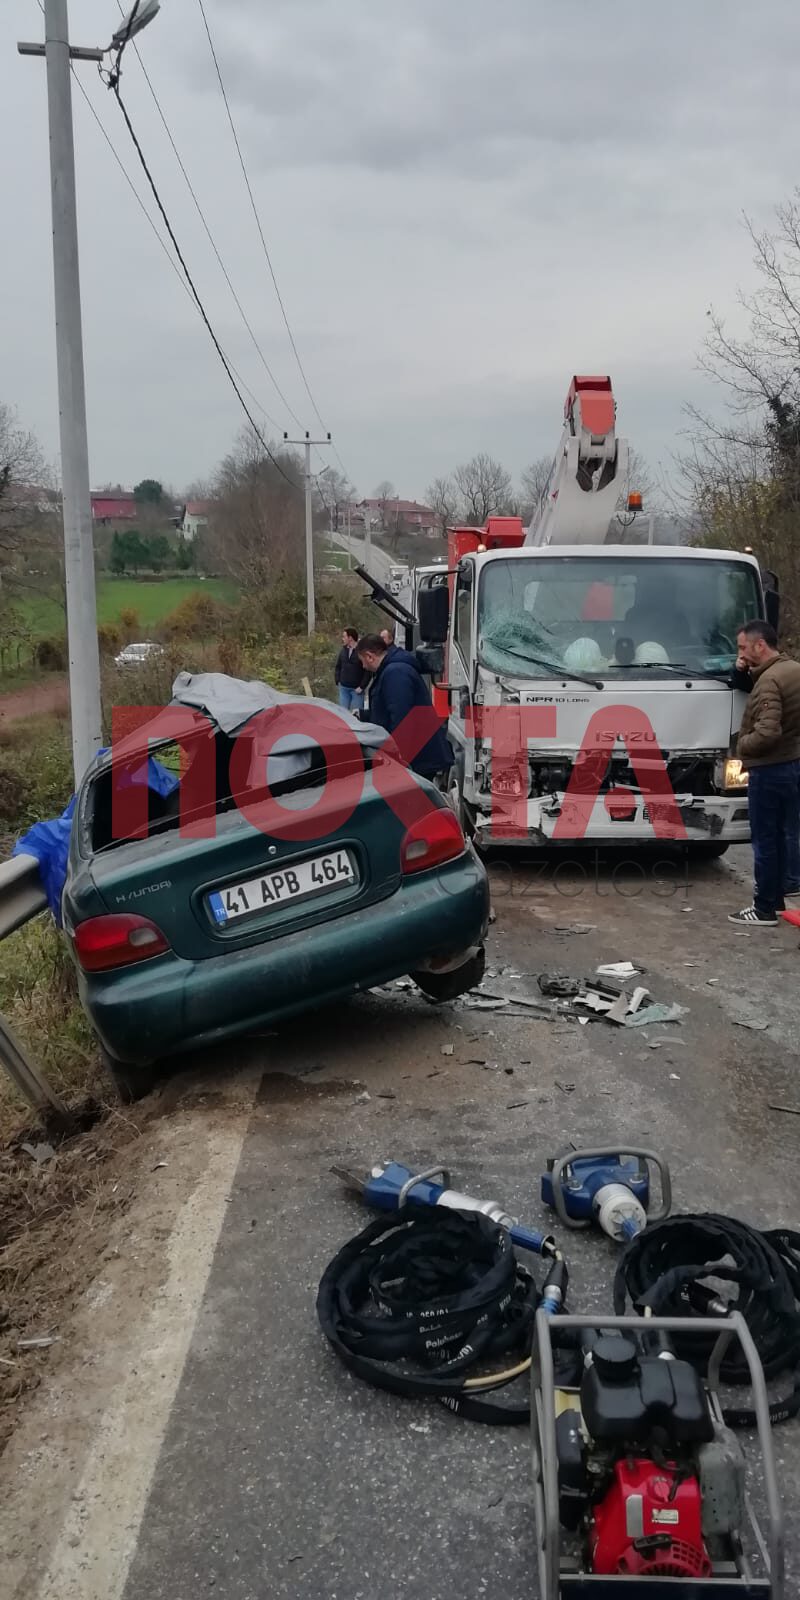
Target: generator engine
column 649, row 1477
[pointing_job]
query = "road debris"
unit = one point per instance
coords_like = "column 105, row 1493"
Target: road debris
column 385, row 1094
column 362, row 1098
column 566, row 1088
column 618, row 969
column 42, row 1343
column 559, row 986
column 656, row 1014
column 791, row 1111
column 575, row 927
column 447, row 1049
column 516, row 1105
column 755, row 1023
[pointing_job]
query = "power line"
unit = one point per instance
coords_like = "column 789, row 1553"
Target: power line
column 151, row 224
column 213, row 243
column 113, row 84
column 258, row 219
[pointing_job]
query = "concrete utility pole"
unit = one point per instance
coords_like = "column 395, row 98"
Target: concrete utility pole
column 84, row 659
column 310, row 601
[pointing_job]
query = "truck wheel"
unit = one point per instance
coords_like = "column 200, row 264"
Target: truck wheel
column 707, row 849
column 131, row 1081
column 441, row 986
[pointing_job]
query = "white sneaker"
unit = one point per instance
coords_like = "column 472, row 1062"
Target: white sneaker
column 750, row 918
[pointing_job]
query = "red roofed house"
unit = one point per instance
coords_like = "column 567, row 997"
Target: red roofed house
column 393, row 514
column 114, row 506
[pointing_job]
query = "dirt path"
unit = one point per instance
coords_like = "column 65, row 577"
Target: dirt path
column 39, row 698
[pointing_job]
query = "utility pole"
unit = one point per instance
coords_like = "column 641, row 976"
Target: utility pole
column 84, row 659
column 307, row 441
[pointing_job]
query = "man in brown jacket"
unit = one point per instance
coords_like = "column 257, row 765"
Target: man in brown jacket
column 769, row 747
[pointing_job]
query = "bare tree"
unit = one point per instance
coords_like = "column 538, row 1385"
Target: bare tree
column 484, row 489
column 742, row 470
column 442, row 497
column 533, row 484
column 257, row 515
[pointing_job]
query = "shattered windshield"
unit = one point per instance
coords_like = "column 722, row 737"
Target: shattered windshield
column 613, row 615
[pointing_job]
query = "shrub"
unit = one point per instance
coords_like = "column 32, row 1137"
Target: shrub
column 196, row 617
column 51, row 654
column 36, row 775
column 130, row 623
column 229, row 652
column 108, row 638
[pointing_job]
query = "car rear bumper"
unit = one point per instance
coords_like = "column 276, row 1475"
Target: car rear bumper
column 169, row 1005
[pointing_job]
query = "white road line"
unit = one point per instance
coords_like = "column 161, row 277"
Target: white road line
column 98, row 1539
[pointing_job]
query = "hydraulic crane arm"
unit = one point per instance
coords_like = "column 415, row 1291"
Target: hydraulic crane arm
column 589, row 473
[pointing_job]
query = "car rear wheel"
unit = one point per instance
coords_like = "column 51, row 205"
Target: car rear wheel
column 441, row 986
column 132, row 1082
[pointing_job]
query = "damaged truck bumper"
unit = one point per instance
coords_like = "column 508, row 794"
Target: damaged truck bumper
column 555, row 820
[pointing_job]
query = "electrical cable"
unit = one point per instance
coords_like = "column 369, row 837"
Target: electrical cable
column 112, row 81
column 665, row 1271
column 258, row 219
column 151, row 224
column 415, row 1305
column 213, row 243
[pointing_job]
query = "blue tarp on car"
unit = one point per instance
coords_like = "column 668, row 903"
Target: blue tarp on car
column 49, row 841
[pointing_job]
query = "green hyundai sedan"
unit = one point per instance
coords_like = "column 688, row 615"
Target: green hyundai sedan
column 213, row 904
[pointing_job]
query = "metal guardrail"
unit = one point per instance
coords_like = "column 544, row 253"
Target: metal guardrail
column 21, row 893
column 21, row 898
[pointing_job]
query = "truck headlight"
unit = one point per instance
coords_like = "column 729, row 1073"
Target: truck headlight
column 734, row 775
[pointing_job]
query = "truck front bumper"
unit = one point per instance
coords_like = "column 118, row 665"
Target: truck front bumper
column 722, row 818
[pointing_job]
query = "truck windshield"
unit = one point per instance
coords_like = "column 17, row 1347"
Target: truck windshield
column 611, row 615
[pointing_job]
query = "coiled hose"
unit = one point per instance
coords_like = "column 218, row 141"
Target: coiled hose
column 416, row 1305
column 666, row 1269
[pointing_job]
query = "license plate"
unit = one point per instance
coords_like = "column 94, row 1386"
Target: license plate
column 284, row 886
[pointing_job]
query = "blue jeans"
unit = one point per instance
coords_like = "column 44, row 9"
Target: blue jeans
column 774, row 802
column 351, row 699
column 792, row 884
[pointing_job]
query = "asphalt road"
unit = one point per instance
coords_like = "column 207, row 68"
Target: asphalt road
column 378, row 564
column 279, row 1474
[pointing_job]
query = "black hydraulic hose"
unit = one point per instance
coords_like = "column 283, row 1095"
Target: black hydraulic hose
column 667, row 1269
column 419, row 1305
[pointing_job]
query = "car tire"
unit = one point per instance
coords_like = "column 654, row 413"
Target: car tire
column 707, row 849
column 132, row 1081
column 442, row 986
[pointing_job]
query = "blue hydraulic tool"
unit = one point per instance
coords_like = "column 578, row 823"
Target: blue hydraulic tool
column 391, row 1187
column 608, row 1187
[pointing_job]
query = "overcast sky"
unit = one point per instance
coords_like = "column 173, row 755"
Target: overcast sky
column 465, row 202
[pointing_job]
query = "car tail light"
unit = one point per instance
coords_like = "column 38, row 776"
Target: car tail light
column 102, row 943
column 435, row 838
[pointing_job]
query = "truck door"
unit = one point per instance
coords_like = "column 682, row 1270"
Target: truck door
column 462, row 664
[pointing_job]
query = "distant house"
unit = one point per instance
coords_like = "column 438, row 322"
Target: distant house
column 391, row 514
column 194, row 518
column 109, row 508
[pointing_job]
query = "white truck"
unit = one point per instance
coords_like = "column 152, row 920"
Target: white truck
column 632, row 646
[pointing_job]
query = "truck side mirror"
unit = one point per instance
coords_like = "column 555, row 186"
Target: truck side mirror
column 430, row 659
column 433, row 607
column 772, row 606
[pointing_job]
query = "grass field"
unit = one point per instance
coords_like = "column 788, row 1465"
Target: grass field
column 152, row 598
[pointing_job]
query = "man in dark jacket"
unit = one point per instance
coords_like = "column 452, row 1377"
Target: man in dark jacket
column 397, row 688
column 769, row 747
column 349, row 674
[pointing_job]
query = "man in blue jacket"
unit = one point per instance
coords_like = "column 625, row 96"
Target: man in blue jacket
column 397, row 688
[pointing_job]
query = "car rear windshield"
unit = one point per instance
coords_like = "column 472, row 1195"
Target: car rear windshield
column 169, row 766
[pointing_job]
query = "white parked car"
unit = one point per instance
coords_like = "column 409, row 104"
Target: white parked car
column 135, row 655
